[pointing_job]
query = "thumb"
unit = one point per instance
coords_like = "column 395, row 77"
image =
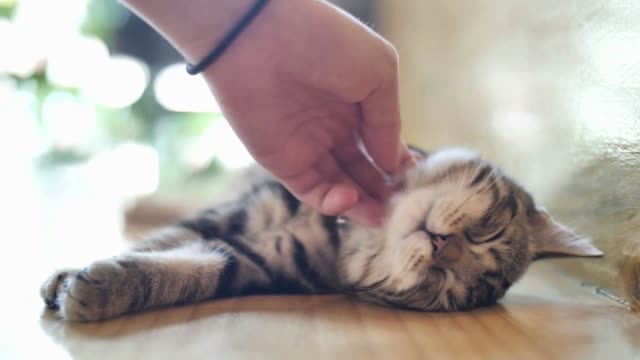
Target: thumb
column 381, row 126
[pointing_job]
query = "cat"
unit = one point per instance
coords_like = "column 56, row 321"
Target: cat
column 458, row 234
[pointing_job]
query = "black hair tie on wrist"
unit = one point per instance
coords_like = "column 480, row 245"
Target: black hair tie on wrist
column 228, row 39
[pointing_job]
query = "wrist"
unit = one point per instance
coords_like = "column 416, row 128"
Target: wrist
column 283, row 36
column 193, row 29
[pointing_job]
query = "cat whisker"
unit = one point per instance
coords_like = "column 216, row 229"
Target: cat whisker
column 436, row 295
column 389, row 279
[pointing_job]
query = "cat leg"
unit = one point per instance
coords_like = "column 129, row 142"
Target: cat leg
column 138, row 281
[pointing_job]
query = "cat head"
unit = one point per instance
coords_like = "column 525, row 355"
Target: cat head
column 459, row 234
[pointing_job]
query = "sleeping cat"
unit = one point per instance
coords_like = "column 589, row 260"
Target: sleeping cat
column 459, row 233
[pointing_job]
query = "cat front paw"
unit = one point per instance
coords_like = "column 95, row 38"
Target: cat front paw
column 100, row 291
column 53, row 286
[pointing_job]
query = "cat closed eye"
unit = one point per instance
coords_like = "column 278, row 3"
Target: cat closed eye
column 493, row 236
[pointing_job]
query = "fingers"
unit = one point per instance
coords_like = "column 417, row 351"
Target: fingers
column 338, row 199
column 360, row 168
column 345, row 200
column 329, row 190
column 380, row 129
column 367, row 212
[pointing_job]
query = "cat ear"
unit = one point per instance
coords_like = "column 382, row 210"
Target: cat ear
column 554, row 239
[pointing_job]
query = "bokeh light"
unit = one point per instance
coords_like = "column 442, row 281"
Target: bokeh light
column 19, row 56
column 19, row 134
column 218, row 142
column 117, row 83
column 127, row 171
column 67, row 69
column 69, row 121
column 178, row 91
column 74, row 77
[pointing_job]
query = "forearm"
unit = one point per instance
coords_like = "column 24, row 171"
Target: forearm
column 193, row 27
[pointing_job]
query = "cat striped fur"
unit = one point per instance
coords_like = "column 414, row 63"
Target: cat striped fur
column 459, row 233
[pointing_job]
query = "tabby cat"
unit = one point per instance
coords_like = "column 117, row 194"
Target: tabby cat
column 458, row 235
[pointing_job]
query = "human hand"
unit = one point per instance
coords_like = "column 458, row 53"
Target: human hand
column 302, row 87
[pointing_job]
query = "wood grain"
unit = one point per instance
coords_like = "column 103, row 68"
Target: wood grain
column 546, row 316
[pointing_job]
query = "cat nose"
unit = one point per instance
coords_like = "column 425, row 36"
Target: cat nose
column 448, row 250
column 439, row 243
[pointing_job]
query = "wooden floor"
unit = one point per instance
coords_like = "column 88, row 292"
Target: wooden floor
column 546, row 316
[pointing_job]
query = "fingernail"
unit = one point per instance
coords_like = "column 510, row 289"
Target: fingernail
column 407, row 159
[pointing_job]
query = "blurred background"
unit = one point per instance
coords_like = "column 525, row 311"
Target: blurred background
column 86, row 83
column 99, row 118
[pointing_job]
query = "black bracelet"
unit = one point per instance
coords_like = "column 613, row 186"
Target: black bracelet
column 228, row 39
